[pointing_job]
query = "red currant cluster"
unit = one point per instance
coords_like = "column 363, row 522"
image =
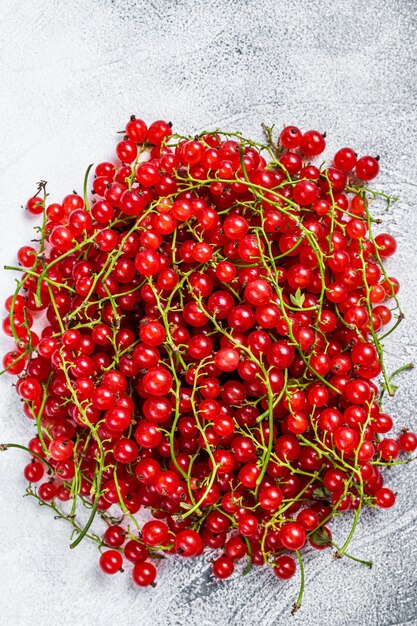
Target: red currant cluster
column 207, row 339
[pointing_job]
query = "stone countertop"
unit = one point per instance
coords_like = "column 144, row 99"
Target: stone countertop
column 71, row 74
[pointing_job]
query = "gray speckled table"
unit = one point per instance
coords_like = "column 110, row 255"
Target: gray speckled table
column 71, row 74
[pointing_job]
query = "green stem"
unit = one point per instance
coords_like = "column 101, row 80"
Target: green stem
column 297, row 605
column 338, row 554
column 86, row 203
column 6, row 446
column 86, row 528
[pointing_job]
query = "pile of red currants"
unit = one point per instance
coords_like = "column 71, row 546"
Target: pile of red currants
column 199, row 337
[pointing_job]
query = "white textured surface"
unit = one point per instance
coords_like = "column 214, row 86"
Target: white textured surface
column 71, row 73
